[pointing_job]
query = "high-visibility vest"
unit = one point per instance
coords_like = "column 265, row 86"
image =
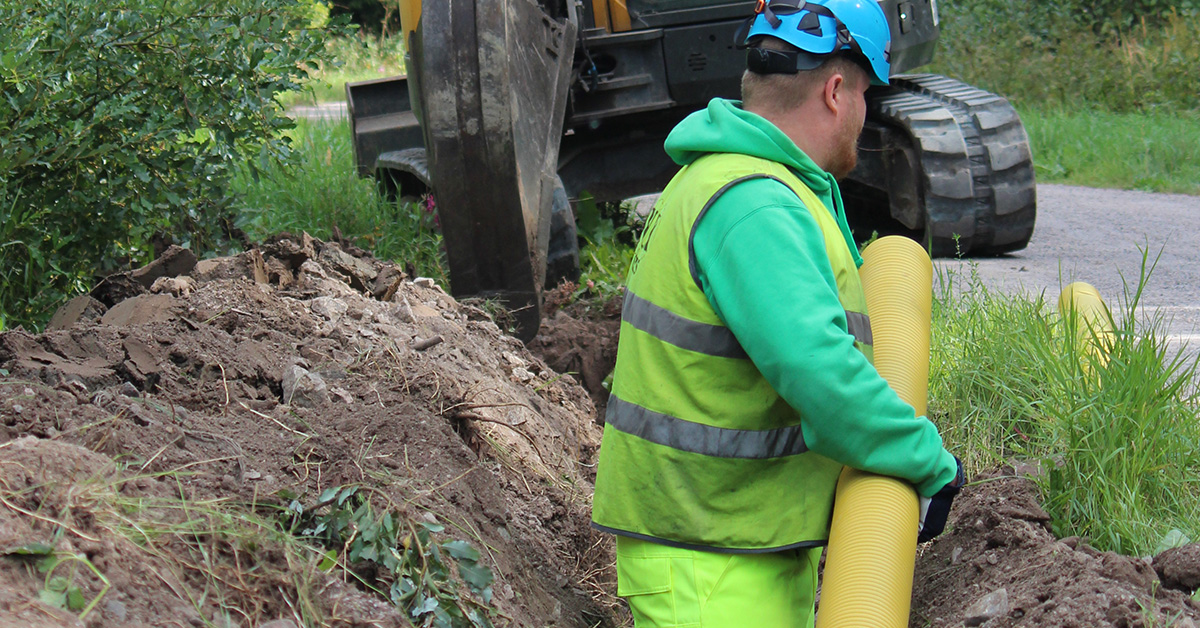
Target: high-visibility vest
column 699, row 450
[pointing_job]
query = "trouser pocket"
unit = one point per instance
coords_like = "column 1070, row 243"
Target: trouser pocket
column 661, row 591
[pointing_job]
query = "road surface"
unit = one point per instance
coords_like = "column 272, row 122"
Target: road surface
column 1099, row 236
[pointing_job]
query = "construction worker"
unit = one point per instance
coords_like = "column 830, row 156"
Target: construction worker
column 744, row 380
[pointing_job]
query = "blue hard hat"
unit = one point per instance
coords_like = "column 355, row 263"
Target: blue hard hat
column 820, row 28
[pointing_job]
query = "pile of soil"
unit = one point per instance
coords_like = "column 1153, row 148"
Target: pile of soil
column 290, row 369
column 999, row 566
column 302, row 365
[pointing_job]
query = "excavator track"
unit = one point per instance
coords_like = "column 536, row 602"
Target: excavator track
column 976, row 166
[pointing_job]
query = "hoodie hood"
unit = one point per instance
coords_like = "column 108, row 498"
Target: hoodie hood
column 724, row 127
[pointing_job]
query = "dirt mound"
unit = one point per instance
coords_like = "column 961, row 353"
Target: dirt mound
column 274, row 375
column 998, row 566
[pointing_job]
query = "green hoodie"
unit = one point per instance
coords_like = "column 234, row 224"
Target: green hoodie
column 762, row 264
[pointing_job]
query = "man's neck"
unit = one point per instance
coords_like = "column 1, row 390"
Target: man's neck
column 806, row 129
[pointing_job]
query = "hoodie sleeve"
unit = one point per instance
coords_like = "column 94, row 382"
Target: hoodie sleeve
column 762, row 265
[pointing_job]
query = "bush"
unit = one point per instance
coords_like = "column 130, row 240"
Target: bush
column 119, row 126
column 1062, row 54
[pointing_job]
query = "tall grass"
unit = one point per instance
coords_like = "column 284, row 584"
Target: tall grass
column 1117, row 440
column 1154, row 151
column 357, row 58
column 317, row 189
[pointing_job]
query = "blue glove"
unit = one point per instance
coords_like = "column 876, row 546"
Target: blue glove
column 935, row 510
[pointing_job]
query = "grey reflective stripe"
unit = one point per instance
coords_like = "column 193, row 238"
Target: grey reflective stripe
column 669, row 327
column 859, row 325
column 720, row 442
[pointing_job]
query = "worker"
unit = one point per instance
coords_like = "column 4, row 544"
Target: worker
column 744, row 379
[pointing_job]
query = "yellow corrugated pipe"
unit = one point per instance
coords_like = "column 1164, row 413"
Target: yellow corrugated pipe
column 873, row 538
column 1089, row 319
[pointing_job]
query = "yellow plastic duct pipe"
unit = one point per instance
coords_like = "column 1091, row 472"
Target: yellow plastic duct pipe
column 1088, row 318
column 873, row 539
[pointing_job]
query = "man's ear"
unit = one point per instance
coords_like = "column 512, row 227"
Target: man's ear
column 834, row 92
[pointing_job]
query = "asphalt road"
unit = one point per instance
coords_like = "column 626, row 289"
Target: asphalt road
column 1099, row 236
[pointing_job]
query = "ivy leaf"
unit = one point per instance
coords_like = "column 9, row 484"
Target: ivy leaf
column 429, row 605
column 57, row 599
column 75, row 599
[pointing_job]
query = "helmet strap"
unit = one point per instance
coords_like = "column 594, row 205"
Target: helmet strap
column 766, row 61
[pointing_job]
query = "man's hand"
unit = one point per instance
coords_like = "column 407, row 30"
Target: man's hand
column 934, row 510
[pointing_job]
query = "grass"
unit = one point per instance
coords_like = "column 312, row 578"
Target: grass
column 358, row 58
column 1116, row 439
column 318, row 190
column 219, row 557
column 1152, row 151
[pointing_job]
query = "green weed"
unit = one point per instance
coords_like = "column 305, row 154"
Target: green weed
column 1065, row 59
column 412, row 571
column 61, row 588
column 1116, row 438
column 317, row 190
column 608, row 234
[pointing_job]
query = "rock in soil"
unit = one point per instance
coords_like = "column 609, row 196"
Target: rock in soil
column 1179, row 568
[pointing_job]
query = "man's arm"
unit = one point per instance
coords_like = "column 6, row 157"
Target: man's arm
column 763, row 266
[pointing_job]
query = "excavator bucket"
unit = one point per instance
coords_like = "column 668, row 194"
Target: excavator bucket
column 493, row 79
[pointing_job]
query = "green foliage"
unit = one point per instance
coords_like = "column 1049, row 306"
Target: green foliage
column 411, row 570
column 1065, row 53
column 1117, row 439
column 609, row 232
column 119, row 124
column 317, row 189
column 358, row 57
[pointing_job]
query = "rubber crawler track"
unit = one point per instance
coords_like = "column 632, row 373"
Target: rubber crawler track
column 978, row 178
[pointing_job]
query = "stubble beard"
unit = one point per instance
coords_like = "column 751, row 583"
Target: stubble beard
column 846, row 156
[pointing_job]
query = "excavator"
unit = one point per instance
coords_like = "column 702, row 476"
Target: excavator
column 512, row 108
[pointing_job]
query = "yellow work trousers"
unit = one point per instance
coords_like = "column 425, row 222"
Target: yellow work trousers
column 669, row 587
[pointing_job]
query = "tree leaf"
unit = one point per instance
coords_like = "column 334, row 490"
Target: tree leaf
column 328, row 561
column 461, row 550
column 30, row 549
column 477, row 576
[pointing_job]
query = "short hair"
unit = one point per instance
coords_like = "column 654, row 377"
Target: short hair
column 781, row 91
